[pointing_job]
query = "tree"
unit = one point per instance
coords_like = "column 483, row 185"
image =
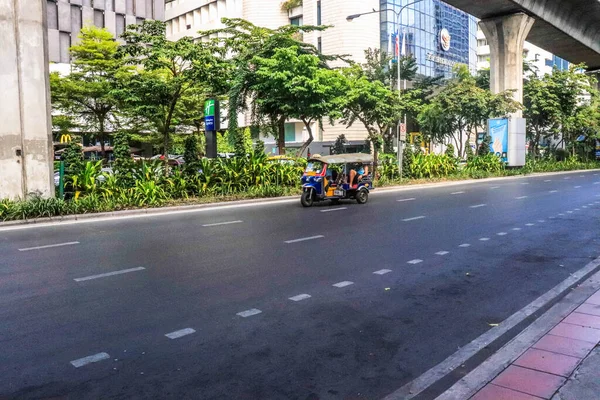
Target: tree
column 542, row 110
column 462, row 107
column 85, row 95
column 380, row 66
column 190, row 154
column 167, row 72
column 250, row 44
column 300, row 86
column 339, row 147
column 370, row 103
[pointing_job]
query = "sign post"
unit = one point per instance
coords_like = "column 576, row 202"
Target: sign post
column 212, row 122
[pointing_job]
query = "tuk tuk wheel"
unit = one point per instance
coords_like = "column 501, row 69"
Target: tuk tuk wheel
column 307, row 199
column 362, row 196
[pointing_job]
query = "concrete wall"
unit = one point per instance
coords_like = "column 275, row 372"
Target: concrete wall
column 25, row 132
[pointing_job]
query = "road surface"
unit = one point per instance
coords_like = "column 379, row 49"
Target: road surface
column 276, row 301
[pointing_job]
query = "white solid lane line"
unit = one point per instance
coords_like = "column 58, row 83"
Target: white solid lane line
column 411, row 199
column 458, row 193
column 342, row 284
column 304, row 239
column 415, row 261
column 382, row 272
column 478, row 205
column 521, row 197
column 249, row 313
column 335, row 209
column 442, row 253
column 413, row 218
column 300, row 297
column 484, row 239
column 89, row 359
column 49, row 246
column 464, row 245
column 180, row 333
column 223, row 223
column 123, row 271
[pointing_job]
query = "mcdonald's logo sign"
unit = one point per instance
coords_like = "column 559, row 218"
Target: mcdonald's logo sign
column 65, row 138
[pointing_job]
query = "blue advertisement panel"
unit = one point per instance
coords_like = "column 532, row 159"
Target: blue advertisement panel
column 209, row 122
column 498, row 131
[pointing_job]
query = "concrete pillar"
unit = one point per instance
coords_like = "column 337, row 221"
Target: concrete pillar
column 26, row 150
column 506, row 36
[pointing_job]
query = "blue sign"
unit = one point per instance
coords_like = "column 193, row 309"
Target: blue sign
column 209, row 123
column 498, row 131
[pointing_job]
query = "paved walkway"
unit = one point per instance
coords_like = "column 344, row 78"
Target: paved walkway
column 560, row 366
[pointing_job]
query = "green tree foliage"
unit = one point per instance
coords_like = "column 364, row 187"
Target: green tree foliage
column 542, row 110
column 300, row 86
column 339, row 147
column 450, row 150
column 460, row 108
column 190, row 154
column 379, row 66
column 250, row 44
column 73, row 158
column 86, row 94
column 484, row 146
column 168, row 72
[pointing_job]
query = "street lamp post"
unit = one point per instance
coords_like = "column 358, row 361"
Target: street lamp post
column 398, row 26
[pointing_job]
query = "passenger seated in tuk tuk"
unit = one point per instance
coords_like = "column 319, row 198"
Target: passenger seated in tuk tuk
column 356, row 176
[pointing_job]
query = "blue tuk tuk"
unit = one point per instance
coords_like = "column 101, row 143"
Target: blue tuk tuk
column 337, row 177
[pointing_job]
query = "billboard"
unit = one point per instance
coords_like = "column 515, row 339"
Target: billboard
column 498, row 131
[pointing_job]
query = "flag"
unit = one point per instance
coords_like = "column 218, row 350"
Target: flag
column 389, row 49
column 397, row 51
column 403, row 44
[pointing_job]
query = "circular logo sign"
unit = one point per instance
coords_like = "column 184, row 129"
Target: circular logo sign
column 445, row 39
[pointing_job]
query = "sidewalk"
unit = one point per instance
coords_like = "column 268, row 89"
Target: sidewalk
column 563, row 365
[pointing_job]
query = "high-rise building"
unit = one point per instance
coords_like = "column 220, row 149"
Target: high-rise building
column 436, row 34
column 67, row 17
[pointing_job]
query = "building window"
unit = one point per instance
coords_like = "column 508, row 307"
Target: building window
column 319, row 45
column 296, row 21
column 319, row 12
column 290, row 132
column 52, row 12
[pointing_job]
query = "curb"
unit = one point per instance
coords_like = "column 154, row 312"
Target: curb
column 264, row 201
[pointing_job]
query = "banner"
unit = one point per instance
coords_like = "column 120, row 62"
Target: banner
column 498, row 131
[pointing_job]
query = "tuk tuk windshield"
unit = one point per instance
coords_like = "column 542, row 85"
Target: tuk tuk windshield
column 314, row 166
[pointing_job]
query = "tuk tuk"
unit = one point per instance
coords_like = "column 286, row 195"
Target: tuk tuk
column 337, row 177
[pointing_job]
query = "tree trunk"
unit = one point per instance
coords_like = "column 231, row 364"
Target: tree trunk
column 310, row 137
column 102, row 135
column 281, row 136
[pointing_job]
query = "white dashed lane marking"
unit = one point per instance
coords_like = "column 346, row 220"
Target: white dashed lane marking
column 541, row 221
column 89, row 359
column 49, row 246
column 464, row 245
column 123, row 271
column 529, row 224
column 442, row 253
column 495, row 187
column 402, row 200
column 335, row 209
column 342, row 284
column 249, row 313
column 521, row 197
column 180, row 333
column 382, row 272
column 223, row 223
column 567, row 178
column 478, row 206
column 300, row 297
column 524, row 183
column 484, row 239
column 577, row 187
column 548, row 180
column 457, row 193
column 413, row 218
column 415, row 261
column 554, row 191
column 501, row 233
column 516, row 229
column 304, row 239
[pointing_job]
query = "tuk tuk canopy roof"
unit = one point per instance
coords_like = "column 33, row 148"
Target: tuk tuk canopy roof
column 344, row 158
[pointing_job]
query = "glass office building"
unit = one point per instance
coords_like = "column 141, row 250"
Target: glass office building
column 425, row 27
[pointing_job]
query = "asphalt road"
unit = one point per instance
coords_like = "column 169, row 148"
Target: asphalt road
column 198, row 270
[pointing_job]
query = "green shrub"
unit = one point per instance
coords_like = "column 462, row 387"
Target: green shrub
column 488, row 163
column 407, row 160
column 450, row 151
column 432, row 166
